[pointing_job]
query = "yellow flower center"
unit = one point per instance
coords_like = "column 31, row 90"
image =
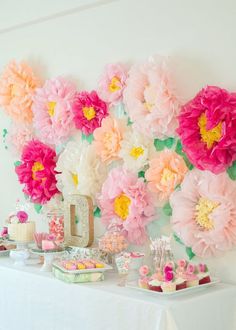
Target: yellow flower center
column 114, row 85
column 121, row 206
column 209, row 136
column 149, row 106
column 37, row 167
column 51, row 108
column 167, row 176
column 136, row 152
column 89, row 113
column 204, row 208
column 75, row 179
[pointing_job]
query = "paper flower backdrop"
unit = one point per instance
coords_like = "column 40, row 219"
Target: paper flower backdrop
column 126, row 199
column 167, row 170
column 204, row 212
column 18, row 136
column 81, row 170
column 207, row 129
column 52, row 108
column 151, row 99
column 89, row 110
column 112, row 83
column 37, row 172
column 17, row 87
column 108, row 137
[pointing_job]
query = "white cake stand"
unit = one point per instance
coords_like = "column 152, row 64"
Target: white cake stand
column 21, row 253
column 49, row 257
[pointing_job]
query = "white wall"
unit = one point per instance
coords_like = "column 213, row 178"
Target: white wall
column 200, row 34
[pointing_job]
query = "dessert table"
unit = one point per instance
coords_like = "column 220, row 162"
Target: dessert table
column 33, row 300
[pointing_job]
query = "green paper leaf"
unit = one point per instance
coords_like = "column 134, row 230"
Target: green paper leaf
column 17, row 163
column 97, row 213
column 38, row 207
column 232, row 171
column 179, row 151
column 129, row 122
column 88, row 138
column 177, row 239
column 4, row 132
column 190, row 253
column 167, row 209
column 141, row 174
column 159, row 144
column 169, row 142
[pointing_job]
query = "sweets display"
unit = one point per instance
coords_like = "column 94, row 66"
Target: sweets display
column 174, row 276
column 81, row 264
column 19, row 228
column 47, row 242
column 113, row 242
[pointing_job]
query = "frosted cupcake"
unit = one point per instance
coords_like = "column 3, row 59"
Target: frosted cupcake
column 155, row 285
column 169, row 284
column 191, row 276
column 203, row 275
column 144, row 279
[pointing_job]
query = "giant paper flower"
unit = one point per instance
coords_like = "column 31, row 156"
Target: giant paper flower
column 18, row 136
column 112, row 83
column 204, row 212
column 108, row 137
column 167, row 170
column 37, row 172
column 207, row 129
column 89, row 110
column 52, row 108
column 17, row 87
column 125, row 199
column 82, row 172
column 151, row 100
column 136, row 150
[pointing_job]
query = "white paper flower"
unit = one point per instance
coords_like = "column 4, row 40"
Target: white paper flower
column 81, row 170
column 136, row 149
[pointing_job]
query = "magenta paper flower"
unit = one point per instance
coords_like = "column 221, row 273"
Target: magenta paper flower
column 151, row 99
column 52, row 108
column 89, row 110
column 207, row 129
column 112, row 83
column 204, row 212
column 37, row 173
column 22, row 216
column 126, row 200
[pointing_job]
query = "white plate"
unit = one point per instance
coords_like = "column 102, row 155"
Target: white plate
column 83, row 271
column 214, row 281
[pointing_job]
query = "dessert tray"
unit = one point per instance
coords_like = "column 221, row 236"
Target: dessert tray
column 134, row 285
column 82, row 271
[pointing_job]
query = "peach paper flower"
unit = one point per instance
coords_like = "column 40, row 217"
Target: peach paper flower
column 166, row 171
column 108, row 137
column 112, row 83
column 151, row 99
column 18, row 137
column 204, row 212
column 17, row 87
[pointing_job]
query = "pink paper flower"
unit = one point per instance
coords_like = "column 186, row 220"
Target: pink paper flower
column 52, row 108
column 144, row 270
column 204, row 212
column 37, row 173
column 108, row 138
column 17, row 87
column 112, row 83
column 126, row 200
column 167, row 169
column 207, row 129
column 18, row 136
column 89, row 110
column 151, row 99
column 22, row 216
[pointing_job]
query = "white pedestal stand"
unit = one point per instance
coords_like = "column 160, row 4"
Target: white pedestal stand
column 48, row 258
column 20, row 254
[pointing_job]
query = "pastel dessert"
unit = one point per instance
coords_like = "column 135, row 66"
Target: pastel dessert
column 80, row 265
column 143, row 283
column 203, row 275
column 168, row 287
column 113, row 242
column 48, row 245
column 19, row 227
column 155, row 285
column 99, row 265
column 169, row 284
column 191, row 276
column 181, row 283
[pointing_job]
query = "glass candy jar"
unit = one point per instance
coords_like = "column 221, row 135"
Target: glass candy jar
column 56, row 224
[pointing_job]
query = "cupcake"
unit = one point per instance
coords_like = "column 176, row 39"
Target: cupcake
column 155, row 285
column 191, row 276
column 143, row 283
column 203, row 275
column 180, row 283
column 144, row 273
column 169, row 284
column 168, row 287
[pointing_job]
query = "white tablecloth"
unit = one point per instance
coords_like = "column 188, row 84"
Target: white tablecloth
column 31, row 300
